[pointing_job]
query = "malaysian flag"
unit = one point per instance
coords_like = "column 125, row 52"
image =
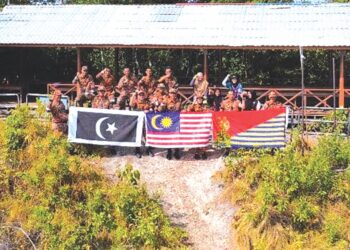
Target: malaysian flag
column 253, row 129
column 178, row 130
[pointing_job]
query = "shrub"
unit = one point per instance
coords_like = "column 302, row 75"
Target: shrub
column 290, row 200
column 65, row 201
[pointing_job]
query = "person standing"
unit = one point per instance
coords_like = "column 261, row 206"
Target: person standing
column 169, row 80
column 127, row 82
column 85, row 86
column 200, row 85
column 233, row 84
column 59, row 114
column 107, row 80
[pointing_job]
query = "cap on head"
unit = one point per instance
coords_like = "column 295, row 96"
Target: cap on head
column 161, row 85
column 101, row 88
column 172, row 91
column 84, row 68
column 57, row 92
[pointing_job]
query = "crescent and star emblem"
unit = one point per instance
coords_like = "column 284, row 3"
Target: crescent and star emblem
column 154, row 122
column 111, row 127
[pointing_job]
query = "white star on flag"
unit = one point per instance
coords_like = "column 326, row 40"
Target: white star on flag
column 111, row 128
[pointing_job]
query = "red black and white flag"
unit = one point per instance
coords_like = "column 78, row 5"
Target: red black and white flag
column 105, row 127
column 253, row 129
column 178, row 130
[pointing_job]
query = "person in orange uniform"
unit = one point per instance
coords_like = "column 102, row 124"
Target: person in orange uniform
column 169, row 80
column 272, row 103
column 107, row 80
column 148, row 82
column 198, row 106
column 127, row 81
column 101, row 101
column 230, row 103
column 59, row 114
column 85, row 86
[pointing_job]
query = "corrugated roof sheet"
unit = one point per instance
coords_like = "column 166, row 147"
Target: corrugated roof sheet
column 321, row 25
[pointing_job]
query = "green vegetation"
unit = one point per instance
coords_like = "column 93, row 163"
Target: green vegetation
column 287, row 200
column 64, row 201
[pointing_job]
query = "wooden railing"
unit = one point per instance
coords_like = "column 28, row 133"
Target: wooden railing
column 288, row 96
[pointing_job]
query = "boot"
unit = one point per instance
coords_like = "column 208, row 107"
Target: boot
column 177, row 154
column 197, row 156
column 169, row 155
column 138, row 152
column 204, row 156
column 150, row 151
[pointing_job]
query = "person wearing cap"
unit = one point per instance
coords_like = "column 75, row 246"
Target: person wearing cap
column 101, row 101
column 198, row 106
column 230, row 103
column 85, row 86
column 232, row 83
column 127, row 81
column 107, row 80
column 148, row 82
column 158, row 98
column 173, row 103
column 59, row 113
column 168, row 79
column 272, row 103
column 199, row 84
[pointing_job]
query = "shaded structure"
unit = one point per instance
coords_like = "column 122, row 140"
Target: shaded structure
column 181, row 26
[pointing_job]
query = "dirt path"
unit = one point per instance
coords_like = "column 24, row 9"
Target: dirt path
column 188, row 193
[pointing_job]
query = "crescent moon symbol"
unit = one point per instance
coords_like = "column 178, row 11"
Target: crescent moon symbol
column 154, row 122
column 98, row 127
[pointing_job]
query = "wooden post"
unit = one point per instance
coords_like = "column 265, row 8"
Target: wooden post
column 341, row 80
column 205, row 64
column 220, row 66
column 116, row 61
column 78, row 59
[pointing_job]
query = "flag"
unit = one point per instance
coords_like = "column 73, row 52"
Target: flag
column 253, row 129
column 178, row 130
column 105, row 127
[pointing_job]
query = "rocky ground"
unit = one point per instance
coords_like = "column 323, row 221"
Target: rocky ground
column 189, row 194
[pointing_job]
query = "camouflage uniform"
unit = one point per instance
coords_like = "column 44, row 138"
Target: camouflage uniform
column 85, row 85
column 59, row 115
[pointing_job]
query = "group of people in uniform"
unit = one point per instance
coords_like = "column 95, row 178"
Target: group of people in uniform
column 154, row 94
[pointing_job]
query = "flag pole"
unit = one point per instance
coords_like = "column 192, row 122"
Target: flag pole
column 302, row 98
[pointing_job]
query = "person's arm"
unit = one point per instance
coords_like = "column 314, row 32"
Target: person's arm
column 193, row 81
column 224, row 82
column 239, row 88
column 258, row 105
column 99, row 75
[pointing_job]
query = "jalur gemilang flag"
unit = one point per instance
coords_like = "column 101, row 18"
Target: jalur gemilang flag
column 105, row 127
column 178, row 130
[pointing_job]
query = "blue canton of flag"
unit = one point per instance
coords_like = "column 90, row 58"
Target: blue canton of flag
column 167, row 122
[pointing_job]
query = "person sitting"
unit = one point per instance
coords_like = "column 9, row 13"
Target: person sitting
column 214, row 99
column 173, row 103
column 249, row 101
column 199, row 84
column 100, row 101
column 85, row 86
column 233, row 84
column 158, row 99
column 59, row 114
column 230, row 103
column 272, row 103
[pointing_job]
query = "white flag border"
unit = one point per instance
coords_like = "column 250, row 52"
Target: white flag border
column 72, row 126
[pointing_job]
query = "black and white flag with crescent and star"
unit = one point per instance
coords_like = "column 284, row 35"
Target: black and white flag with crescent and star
column 105, row 127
